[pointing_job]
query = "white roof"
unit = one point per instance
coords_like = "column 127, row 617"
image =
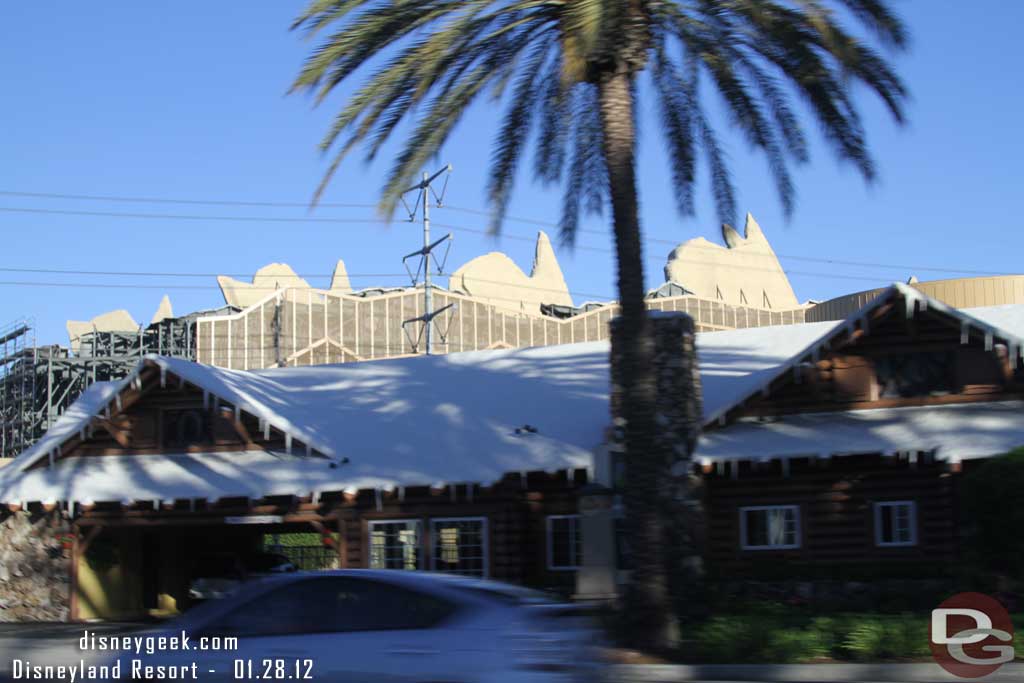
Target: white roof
column 412, row 421
column 409, row 421
column 1009, row 317
column 956, row 432
column 453, row 418
column 208, row 476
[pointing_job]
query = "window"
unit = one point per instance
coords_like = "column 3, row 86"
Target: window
column 565, row 549
column 334, row 605
column 770, row 527
column 184, row 428
column 395, row 544
column 896, row 523
column 922, row 373
column 460, row 545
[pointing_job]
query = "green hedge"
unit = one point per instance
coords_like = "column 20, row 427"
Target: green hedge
column 782, row 639
column 995, row 514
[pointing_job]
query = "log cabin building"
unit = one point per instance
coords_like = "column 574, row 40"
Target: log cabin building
column 435, row 464
column 845, row 461
column 827, row 448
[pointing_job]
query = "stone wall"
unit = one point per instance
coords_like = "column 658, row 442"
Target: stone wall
column 35, row 567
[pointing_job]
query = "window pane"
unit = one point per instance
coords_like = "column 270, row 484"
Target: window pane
column 895, row 523
column 460, row 546
column 771, row 527
column 887, row 526
column 395, row 545
column 565, row 542
column 757, row 527
column 902, row 524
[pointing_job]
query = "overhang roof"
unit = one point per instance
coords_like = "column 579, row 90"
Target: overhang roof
column 203, row 476
column 953, row 432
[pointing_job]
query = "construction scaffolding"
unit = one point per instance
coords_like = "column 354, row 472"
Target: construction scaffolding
column 17, row 386
column 39, row 383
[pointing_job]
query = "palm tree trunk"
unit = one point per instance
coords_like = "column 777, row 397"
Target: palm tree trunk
column 647, row 605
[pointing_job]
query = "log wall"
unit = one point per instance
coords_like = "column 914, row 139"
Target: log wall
column 835, row 498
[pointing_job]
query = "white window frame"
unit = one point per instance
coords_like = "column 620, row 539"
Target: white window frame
column 370, row 523
column 798, row 531
column 878, row 523
column 485, row 544
column 551, row 542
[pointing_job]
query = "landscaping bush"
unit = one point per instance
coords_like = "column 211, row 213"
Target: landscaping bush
column 756, row 639
column 793, row 638
column 885, row 638
column 995, row 515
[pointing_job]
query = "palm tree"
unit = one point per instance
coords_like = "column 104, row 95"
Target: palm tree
column 570, row 74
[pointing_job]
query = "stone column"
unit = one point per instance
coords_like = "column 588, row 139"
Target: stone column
column 679, row 415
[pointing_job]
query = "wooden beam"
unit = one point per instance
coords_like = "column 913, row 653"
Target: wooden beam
column 116, row 432
column 342, row 545
column 73, row 582
column 90, row 536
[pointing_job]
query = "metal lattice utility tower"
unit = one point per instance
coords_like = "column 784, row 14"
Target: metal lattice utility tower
column 424, row 190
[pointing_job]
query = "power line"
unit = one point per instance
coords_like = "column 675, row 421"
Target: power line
column 129, row 273
column 478, row 231
column 117, row 285
column 122, row 285
column 450, row 207
column 199, row 202
column 675, row 243
column 193, row 217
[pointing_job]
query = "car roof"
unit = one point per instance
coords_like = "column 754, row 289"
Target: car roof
column 467, row 590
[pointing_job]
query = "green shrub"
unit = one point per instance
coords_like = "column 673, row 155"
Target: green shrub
column 994, row 513
column 759, row 638
column 880, row 638
column 792, row 638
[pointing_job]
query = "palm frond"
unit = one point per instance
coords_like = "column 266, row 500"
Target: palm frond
column 512, row 136
column 442, row 55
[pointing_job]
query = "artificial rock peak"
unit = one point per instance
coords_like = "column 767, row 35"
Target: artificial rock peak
column 744, row 272
column 497, row 278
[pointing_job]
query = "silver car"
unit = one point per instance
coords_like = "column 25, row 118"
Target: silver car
column 373, row 626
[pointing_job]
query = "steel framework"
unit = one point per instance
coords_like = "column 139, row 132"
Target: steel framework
column 38, row 383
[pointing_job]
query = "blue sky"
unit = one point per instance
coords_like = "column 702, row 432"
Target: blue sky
column 129, row 99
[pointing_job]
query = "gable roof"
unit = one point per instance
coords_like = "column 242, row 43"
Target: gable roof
column 985, row 322
column 454, row 418
column 414, row 421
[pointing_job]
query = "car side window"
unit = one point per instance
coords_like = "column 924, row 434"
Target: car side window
column 334, row 605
